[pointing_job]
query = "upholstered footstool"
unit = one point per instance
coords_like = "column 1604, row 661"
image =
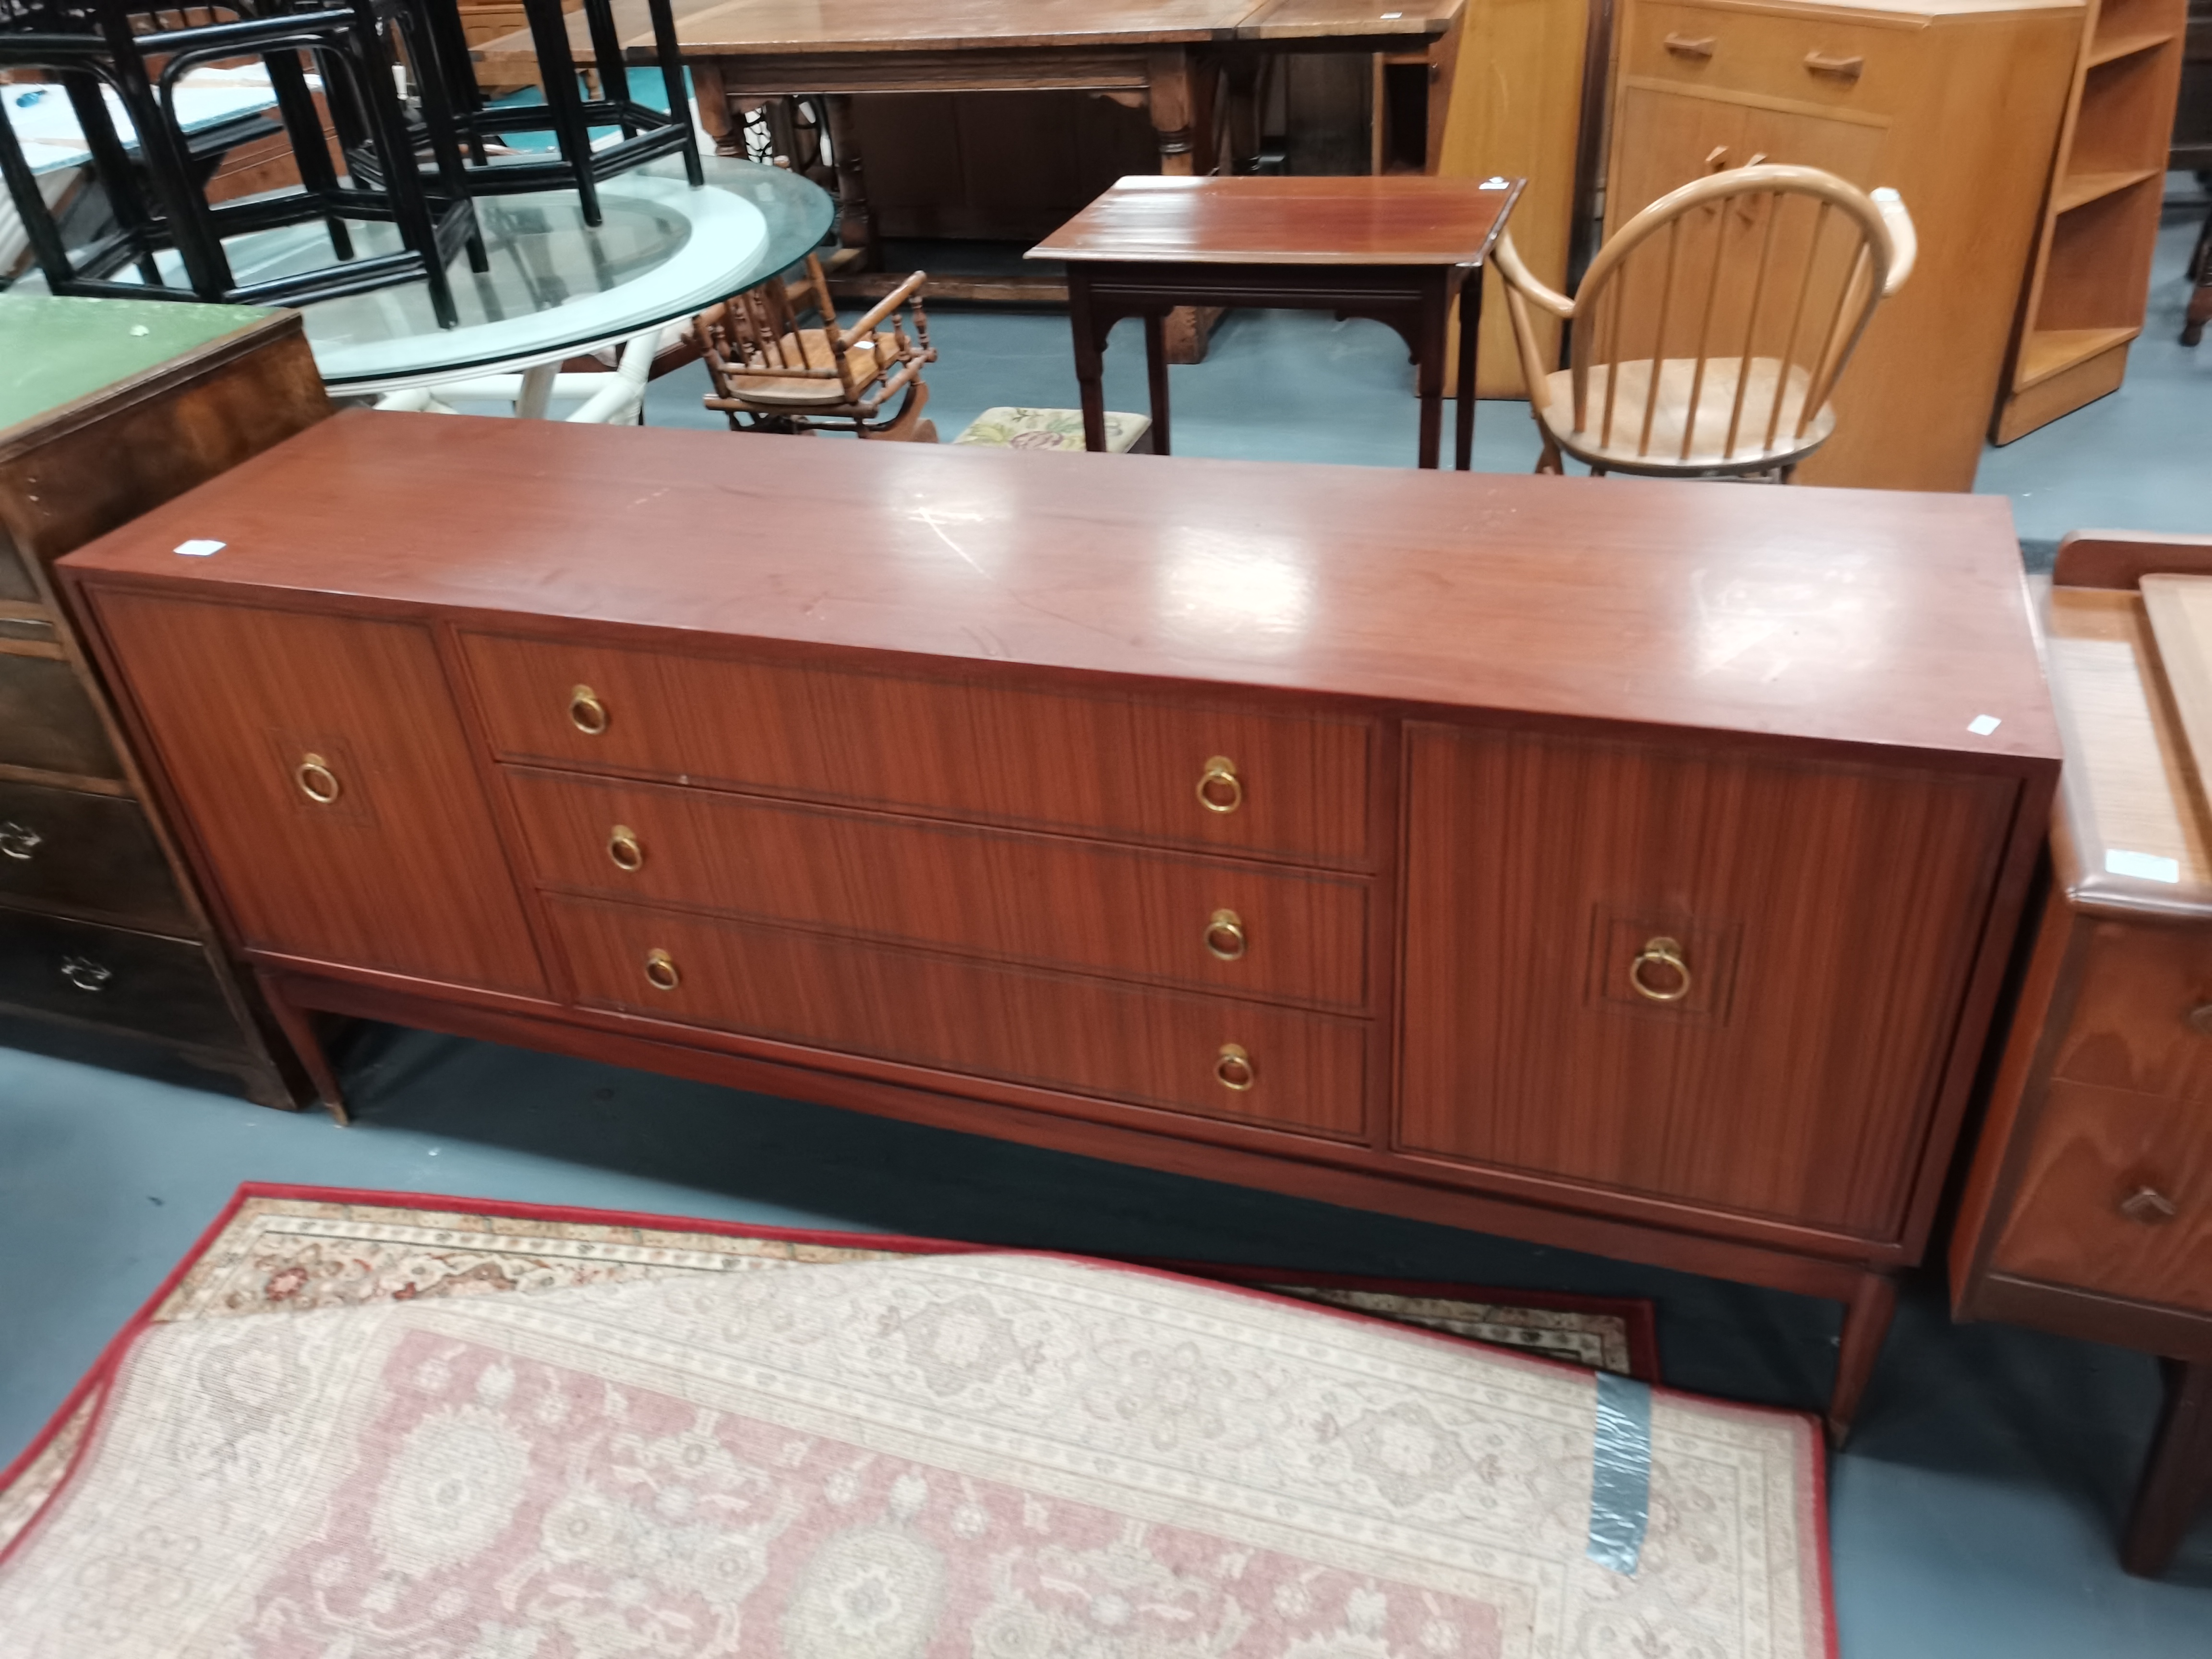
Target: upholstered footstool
column 1055, row 428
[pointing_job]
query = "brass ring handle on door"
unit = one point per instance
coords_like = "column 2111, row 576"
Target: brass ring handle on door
column 86, row 974
column 1234, row 1069
column 1225, row 935
column 1219, row 788
column 2148, row 1205
column 660, row 971
column 586, row 713
column 317, row 782
column 1843, row 69
column 1684, row 46
column 19, row 841
column 623, row 848
column 1661, row 952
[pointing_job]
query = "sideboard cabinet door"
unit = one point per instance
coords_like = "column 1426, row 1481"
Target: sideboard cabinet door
column 1693, row 975
column 323, row 763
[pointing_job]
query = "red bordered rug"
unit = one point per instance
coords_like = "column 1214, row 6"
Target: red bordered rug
column 377, row 1282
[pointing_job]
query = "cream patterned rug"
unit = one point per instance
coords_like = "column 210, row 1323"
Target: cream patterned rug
column 986, row 1455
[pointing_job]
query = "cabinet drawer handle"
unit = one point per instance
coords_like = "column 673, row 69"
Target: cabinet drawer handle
column 2148, row 1205
column 1225, row 935
column 317, row 782
column 1843, row 69
column 1665, row 953
column 18, row 841
column 1690, row 46
column 623, row 848
column 660, row 971
column 86, row 974
column 1219, row 788
column 1235, row 1069
column 588, row 713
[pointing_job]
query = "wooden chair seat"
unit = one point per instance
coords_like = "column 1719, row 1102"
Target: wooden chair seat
column 1724, row 437
column 810, row 346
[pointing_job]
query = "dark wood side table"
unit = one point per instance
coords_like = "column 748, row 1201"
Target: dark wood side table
column 1402, row 249
column 2088, row 1211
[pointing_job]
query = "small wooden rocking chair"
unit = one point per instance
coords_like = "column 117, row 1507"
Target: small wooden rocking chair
column 772, row 374
column 1710, row 332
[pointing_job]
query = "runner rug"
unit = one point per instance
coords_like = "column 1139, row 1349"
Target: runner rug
column 852, row 1451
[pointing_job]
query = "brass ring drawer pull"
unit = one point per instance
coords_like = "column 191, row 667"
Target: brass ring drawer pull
column 317, row 782
column 660, row 971
column 19, row 841
column 623, row 848
column 2148, row 1205
column 1225, row 935
column 1235, row 1069
column 1843, row 69
column 86, row 974
column 587, row 712
column 1684, row 46
column 1219, row 788
column 1665, row 953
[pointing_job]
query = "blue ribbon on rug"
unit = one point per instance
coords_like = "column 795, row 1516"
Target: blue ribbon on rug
column 1620, row 1482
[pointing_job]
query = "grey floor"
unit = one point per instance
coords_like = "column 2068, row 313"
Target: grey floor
column 1975, row 1511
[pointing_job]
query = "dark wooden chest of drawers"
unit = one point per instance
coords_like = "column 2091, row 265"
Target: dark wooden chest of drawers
column 1628, row 868
column 110, row 407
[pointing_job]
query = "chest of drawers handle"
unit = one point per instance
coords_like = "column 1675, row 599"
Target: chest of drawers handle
column 2148, row 1205
column 624, row 849
column 317, row 782
column 19, row 841
column 1843, row 68
column 1219, row 788
column 1687, row 46
column 586, row 713
column 86, row 974
column 1225, row 935
column 1234, row 1069
column 1665, row 954
column 660, row 971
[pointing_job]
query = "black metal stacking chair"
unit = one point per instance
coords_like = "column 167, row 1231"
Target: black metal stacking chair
column 567, row 113
column 155, row 196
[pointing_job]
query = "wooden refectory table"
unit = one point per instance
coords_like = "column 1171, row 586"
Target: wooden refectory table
column 1402, row 250
column 1140, row 52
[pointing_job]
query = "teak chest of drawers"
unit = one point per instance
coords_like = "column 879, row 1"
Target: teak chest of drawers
column 1629, row 867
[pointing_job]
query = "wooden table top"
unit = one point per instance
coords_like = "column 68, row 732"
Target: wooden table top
column 1394, row 220
column 739, row 28
column 1859, row 617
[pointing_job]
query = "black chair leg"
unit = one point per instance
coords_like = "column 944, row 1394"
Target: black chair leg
column 671, row 78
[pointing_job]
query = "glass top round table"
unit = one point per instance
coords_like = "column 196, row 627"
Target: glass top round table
column 556, row 286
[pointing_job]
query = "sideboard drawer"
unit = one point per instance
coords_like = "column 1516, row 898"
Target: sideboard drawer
column 1825, row 917
column 164, row 987
column 2144, row 987
column 1119, row 768
column 1241, row 928
column 2115, row 1198
column 48, row 723
column 325, row 770
column 84, row 852
column 1305, row 1072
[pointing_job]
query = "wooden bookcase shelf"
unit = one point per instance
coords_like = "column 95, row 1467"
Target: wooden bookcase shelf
column 2083, row 304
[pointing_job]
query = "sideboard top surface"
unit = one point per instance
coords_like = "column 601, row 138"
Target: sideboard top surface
column 1858, row 616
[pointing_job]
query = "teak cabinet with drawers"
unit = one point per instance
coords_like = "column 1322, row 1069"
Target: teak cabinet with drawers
column 1955, row 104
column 1624, row 867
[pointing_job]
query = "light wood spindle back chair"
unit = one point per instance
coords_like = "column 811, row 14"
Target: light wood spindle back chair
column 774, row 372
column 1710, row 333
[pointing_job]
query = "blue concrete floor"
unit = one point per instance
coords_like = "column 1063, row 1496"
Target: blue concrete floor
column 1975, row 1513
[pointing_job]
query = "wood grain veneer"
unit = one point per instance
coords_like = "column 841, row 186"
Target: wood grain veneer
column 1042, row 899
column 906, row 754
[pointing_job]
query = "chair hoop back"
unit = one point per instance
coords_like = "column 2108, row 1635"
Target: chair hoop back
column 1711, row 329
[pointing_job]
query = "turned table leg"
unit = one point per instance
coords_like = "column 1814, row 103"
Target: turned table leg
column 856, row 224
column 1470, row 330
column 1866, row 1322
column 1090, row 360
column 2177, row 1476
column 1171, row 100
